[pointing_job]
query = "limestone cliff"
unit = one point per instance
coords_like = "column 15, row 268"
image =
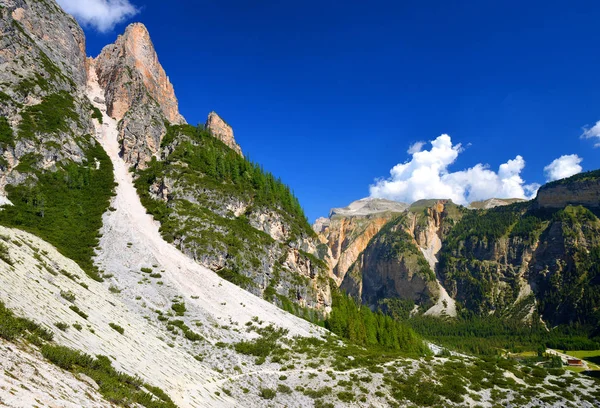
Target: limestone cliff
column 581, row 189
column 348, row 230
column 137, row 93
column 44, row 113
column 222, row 131
column 130, row 67
column 400, row 261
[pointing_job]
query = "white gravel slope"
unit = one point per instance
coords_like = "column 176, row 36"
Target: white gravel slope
column 131, row 240
column 29, row 381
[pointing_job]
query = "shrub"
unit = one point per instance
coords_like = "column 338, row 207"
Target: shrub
column 96, row 114
column 4, row 254
column 68, row 296
column 78, row 311
column 61, row 326
column 116, row 387
column 345, row 396
column 284, row 389
column 267, row 393
column 12, row 327
column 117, row 328
column 179, row 308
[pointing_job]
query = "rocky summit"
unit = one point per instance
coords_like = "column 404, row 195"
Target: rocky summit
column 221, row 130
column 144, row 262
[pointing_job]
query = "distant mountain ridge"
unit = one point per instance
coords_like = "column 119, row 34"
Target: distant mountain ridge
column 511, row 257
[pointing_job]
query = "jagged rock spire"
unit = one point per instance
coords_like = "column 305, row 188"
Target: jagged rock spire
column 222, row 131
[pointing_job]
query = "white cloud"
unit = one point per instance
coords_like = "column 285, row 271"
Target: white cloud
column 102, row 15
column 426, row 175
column 416, row 147
column 592, row 132
column 564, row 166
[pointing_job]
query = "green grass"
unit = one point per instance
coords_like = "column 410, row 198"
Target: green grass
column 65, row 207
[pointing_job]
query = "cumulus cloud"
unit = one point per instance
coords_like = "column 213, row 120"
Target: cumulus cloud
column 102, row 15
column 592, row 132
column 426, row 175
column 564, row 166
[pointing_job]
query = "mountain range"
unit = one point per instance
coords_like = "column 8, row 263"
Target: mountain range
column 146, row 262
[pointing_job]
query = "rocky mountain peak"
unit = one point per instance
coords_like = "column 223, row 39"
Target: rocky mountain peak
column 368, row 206
column 130, row 67
column 137, row 93
column 222, row 131
column 493, row 203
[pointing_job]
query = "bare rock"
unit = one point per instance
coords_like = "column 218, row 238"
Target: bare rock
column 130, row 74
column 222, row 131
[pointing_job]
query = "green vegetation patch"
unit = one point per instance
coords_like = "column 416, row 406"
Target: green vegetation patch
column 65, row 207
column 361, row 326
column 7, row 137
column 116, row 387
column 12, row 327
column 52, row 115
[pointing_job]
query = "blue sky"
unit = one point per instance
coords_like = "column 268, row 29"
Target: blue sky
column 330, row 95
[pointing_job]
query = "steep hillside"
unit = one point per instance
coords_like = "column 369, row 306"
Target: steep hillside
column 510, row 258
column 52, row 169
column 221, row 210
column 397, row 268
column 348, row 230
column 231, row 216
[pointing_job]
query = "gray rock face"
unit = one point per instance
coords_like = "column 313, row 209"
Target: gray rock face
column 584, row 192
column 42, row 59
column 138, row 93
column 140, row 133
column 222, row 131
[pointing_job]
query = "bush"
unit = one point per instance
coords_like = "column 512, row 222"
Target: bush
column 267, row 393
column 346, row 396
column 96, row 114
column 4, row 254
column 179, row 308
column 284, row 389
column 68, row 296
column 117, row 328
column 61, row 326
column 78, row 311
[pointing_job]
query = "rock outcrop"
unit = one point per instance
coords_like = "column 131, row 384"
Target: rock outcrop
column 222, row 131
column 348, row 230
column 399, row 262
column 130, row 74
column 137, row 93
column 582, row 189
column 369, row 206
column 42, row 75
column 493, row 202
